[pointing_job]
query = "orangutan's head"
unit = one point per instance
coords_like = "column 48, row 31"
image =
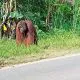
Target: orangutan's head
column 23, row 27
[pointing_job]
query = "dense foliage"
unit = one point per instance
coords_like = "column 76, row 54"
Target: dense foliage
column 50, row 14
column 47, row 14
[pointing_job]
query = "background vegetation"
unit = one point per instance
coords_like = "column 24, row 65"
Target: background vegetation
column 47, row 14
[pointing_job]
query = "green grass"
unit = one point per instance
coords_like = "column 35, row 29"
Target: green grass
column 53, row 44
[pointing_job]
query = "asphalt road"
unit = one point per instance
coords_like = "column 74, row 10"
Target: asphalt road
column 55, row 69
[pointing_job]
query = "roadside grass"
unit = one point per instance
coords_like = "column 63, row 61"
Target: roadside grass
column 51, row 44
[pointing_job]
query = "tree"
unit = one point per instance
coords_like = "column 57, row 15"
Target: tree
column 7, row 7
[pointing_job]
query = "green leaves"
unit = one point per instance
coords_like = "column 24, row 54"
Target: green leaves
column 16, row 14
column 59, row 12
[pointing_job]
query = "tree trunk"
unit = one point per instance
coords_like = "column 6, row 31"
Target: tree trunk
column 48, row 17
column 7, row 7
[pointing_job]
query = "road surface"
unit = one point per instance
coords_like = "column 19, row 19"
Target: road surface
column 67, row 68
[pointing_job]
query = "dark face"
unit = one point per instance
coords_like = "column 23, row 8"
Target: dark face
column 22, row 27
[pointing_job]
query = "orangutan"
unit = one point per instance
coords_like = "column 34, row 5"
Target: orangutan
column 26, row 33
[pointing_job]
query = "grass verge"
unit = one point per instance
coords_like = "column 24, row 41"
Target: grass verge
column 53, row 44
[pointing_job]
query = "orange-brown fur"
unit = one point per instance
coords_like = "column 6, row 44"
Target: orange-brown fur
column 29, row 35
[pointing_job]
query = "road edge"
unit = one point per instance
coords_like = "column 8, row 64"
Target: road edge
column 39, row 61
